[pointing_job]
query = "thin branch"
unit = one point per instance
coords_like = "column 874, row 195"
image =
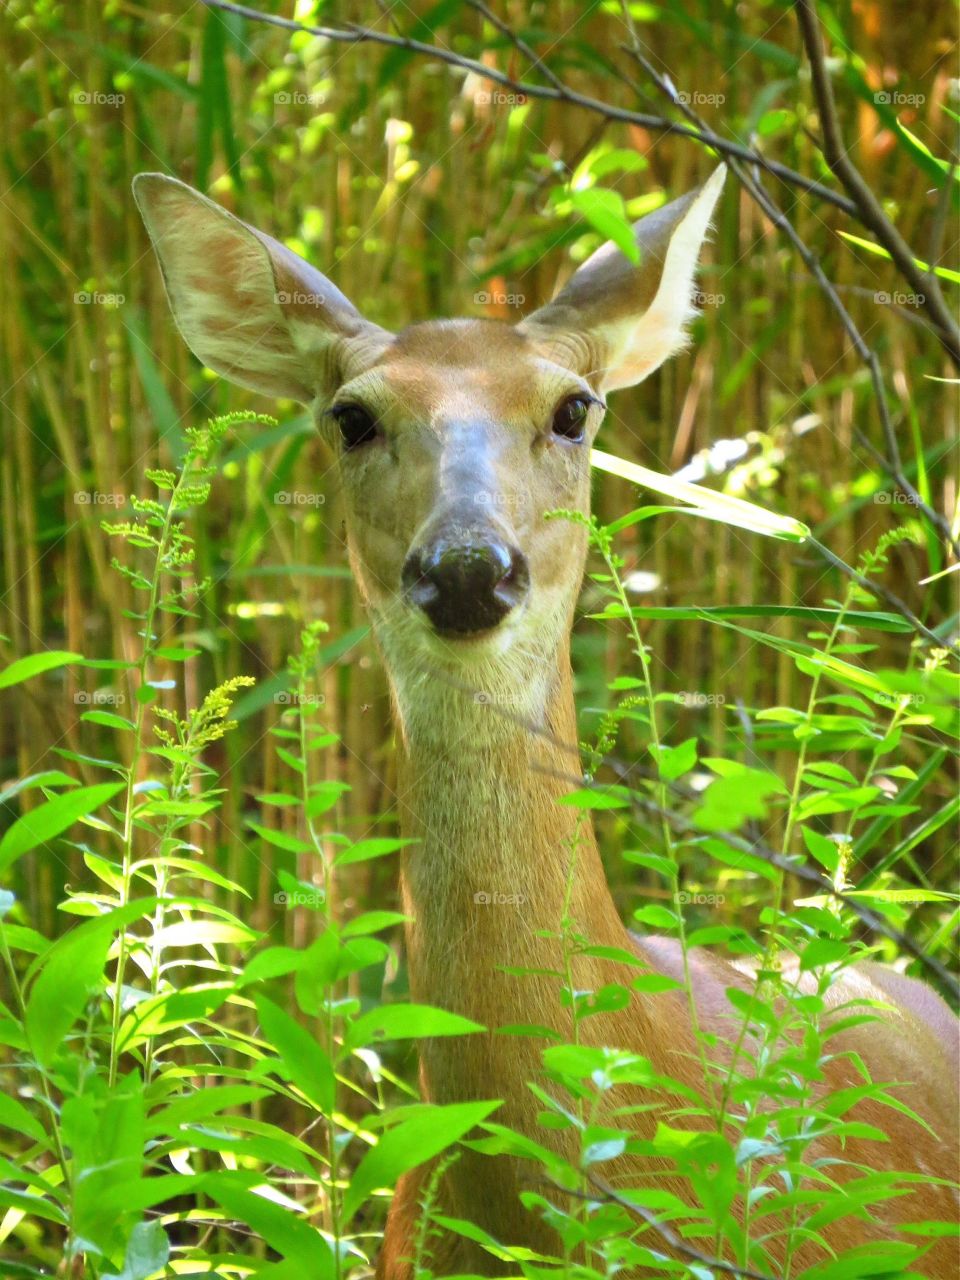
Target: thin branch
column 940, row 222
column 536, row 63
column 869, row 209
column 878, row 589
column 949, row 984
column 938, row 229
column 671, row 1238
column 351, row 34
column 677, row 1243
column 684, row 826
column 892, row 463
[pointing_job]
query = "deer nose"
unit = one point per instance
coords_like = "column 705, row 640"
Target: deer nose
column 466, row 587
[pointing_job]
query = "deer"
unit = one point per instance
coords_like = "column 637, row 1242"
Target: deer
column 450, row 440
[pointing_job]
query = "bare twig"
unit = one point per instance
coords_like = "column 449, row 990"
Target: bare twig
column 677, row 1243
column 536, row 63
column 871, row 919
column 671, row 1238
column 869, row 211
column 685, row 826
column 892, row 463
column 940, row 222
column 948, row 983
column 878, row 589
column 352, row 34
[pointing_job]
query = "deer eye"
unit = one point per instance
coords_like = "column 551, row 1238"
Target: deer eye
column 357, row 425
column 570, row 418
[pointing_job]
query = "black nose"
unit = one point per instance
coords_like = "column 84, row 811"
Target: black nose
column 465, row 587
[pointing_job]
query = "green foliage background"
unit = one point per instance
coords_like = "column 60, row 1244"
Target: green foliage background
column 423, row 193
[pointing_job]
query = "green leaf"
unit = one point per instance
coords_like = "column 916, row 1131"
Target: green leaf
column 909, row 896
column 31, row 1206
column 751, row 1006
column 163, row 412
column 35, row 663
column 673, row 762
column 605, row 211
column 595, row 798
column 15, row 1116
column 822, row 802
column 204, row 933
column 706, row 503
column 291, row 1236
column 411, row 1142
column 656, row 917
column 372, row 922
column 148, row 1251
column 281, row 840
column 733, row 798
column 70, row 971
column 653, row 984
column 109, row 720
column 308, row 1066
column 200, row 1104
column 214, row 114
column 406, row 1022
column 374, row 847
column 826, row 852
column 48, row 778
column 870, row 247
column 51, row 819
column 578, row 1060
column 272, row 963
column 875, row 620
column 823, row 951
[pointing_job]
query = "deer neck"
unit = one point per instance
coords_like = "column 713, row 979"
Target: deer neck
column 498, row 862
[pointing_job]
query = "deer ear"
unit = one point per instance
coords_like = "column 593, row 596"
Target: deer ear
column 246, row 305
column 619, row 320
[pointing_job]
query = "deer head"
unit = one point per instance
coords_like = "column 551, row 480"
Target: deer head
column 452, row 438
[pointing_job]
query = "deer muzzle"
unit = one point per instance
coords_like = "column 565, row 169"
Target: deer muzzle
column 466, row 585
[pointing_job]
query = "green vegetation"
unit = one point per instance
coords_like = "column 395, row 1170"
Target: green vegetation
column 205, row 1036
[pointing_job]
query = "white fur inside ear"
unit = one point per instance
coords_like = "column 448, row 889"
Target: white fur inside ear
column 638, row 346
column 246, row 305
